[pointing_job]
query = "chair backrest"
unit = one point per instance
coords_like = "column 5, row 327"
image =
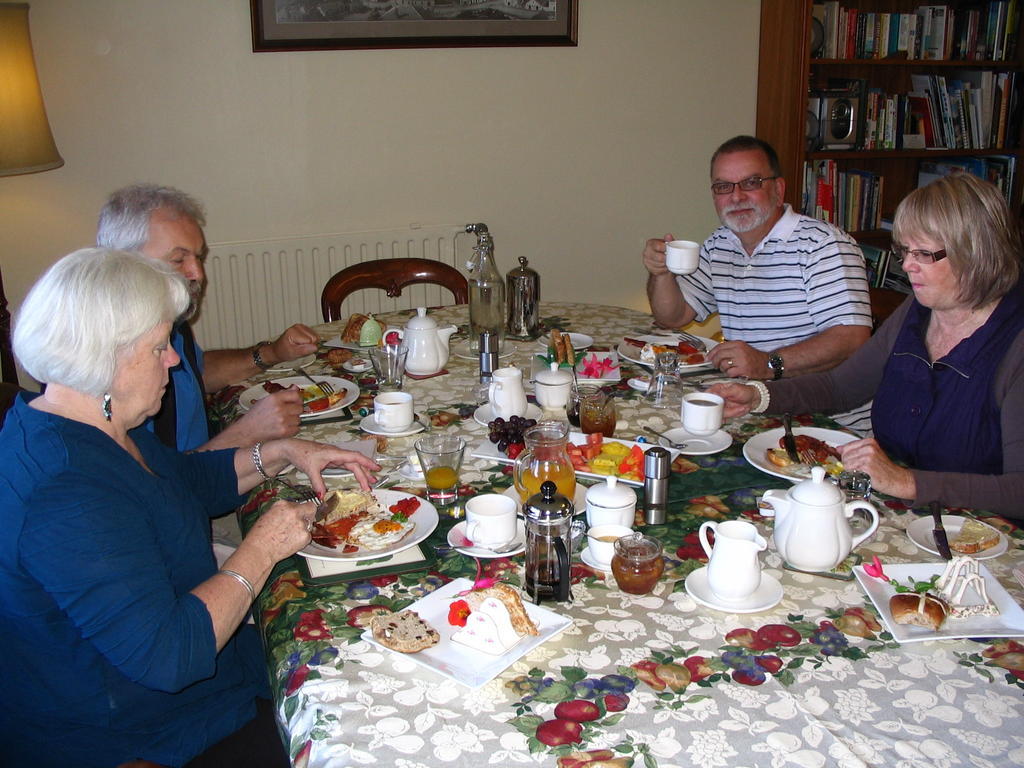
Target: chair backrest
column 884, row 301
column 391, row 276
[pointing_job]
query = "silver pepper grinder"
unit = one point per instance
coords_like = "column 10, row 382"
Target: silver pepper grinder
column 488, row 364
column 522, row 293
column 657, row 466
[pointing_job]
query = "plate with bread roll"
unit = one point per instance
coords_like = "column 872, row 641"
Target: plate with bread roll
column 966, row 600
column 966, row 535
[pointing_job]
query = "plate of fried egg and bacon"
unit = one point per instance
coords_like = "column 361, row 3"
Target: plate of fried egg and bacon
column 765, row 452
column 363, row 525
column 315, row 402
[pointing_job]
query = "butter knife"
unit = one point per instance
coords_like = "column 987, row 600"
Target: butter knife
column 938, row 532
column 788, row 441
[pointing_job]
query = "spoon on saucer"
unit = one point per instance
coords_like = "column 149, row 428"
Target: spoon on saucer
column 672, row 443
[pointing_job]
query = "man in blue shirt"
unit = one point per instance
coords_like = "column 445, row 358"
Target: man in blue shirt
column 166, row 224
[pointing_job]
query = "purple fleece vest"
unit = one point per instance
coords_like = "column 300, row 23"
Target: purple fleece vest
column 943, row 416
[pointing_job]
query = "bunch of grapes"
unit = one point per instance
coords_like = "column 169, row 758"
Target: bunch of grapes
column 505, row 433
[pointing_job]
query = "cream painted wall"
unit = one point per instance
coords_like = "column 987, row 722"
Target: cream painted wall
column 573, row 156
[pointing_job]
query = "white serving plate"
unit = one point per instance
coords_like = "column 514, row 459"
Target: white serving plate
column 580, row 341
column 920, row 532
column 1008, row 623
column 485, row 449
column 631, row 352
column 256, row 393
column 462, row 664
column 425, row 519
column 755, row 450
column 288, row 366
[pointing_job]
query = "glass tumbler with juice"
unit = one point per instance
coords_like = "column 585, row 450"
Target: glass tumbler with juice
column 441, row 457
column 545, row 458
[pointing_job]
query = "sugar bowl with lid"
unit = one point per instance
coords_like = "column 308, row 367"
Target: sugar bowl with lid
column 552, row 386
column 611, row 503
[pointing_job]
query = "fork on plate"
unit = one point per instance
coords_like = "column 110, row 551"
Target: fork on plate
column 324, row 386
column 694, row 341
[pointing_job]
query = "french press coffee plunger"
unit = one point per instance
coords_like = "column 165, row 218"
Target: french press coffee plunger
column 549, row 528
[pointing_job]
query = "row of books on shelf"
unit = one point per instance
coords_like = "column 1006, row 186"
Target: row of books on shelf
column 850, row 199
column 964, row 109
column 985, row 32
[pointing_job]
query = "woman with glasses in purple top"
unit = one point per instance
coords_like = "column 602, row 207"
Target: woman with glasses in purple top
column 946, row 370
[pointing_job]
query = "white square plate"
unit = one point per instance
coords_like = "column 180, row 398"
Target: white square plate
column 1008, row 623
column 461, row 664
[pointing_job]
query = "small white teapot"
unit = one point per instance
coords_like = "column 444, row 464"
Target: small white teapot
column 811, row 532
column 427, row 344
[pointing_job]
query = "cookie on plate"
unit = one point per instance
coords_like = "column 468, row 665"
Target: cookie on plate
column 404, row 632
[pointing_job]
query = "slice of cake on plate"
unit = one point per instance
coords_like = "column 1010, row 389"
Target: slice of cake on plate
column 497, row 621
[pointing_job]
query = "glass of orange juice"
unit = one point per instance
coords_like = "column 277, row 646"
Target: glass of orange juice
column 441, row 457
column 545, row 458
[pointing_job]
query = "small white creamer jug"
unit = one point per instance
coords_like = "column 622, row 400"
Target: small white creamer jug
column 506, row 393
column 734, row 571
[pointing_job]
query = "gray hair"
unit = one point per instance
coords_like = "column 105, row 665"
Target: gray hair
column 124, row 218
column 89, row 307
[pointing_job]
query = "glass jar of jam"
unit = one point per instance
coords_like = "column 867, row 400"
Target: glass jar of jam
column 637, row 563
column 596, row 411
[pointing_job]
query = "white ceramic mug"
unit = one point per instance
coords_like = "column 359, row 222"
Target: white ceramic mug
column 393, row 411
column 601, row 541
column 491, row 519
column 682, row 256
column 734, row 571
column 506, row 393
column 702, row 413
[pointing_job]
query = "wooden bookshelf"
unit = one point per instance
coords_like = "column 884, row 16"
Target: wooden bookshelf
column 787, row 73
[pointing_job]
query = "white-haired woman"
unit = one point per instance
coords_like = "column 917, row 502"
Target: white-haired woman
column 119, row 637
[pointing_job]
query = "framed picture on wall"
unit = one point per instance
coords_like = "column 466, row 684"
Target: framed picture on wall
column 296, row 25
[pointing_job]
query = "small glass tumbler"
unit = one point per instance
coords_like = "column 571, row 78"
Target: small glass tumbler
column 637, row 563
column 596, row 410
column 856, row 485
column 441, row 458
column 389, row 366
column 666, row 388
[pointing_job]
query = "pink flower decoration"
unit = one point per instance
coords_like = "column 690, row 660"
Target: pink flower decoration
column 597, row 369
column 874, row 568
column 484, row 583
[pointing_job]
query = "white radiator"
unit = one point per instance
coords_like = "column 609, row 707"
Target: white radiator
column 257, row 288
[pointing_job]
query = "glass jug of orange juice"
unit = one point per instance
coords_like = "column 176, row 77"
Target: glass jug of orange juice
column 545, row 458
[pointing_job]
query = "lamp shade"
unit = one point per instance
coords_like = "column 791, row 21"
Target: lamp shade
column 26, row 144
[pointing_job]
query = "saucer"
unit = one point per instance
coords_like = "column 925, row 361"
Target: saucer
column 588, row 559
column 697, row 445
column 357, row 365
column 369, row 425
column 580, row 341
column 484, row 414
column 458, row 533
column 289, row 366
column 462, row 350
column 766, row 596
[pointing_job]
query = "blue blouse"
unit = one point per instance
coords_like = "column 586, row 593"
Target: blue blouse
column 104, row 654
column 943, row 416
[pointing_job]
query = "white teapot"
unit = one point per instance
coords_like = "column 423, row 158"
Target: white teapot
column 427, row 344
column 811, row 532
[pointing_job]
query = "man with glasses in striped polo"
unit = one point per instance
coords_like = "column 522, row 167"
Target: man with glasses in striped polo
column 791, row 291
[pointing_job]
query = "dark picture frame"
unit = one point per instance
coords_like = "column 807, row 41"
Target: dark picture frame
column 303, row 25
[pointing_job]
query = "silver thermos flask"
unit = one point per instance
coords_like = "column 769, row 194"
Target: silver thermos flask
column 522, row 293
column 657, row 466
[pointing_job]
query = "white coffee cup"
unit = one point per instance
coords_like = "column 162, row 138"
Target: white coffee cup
column 393, row 411
column 601, row 541
column 734, row 571
column 702, row 413
column 491, row 519
column 682, row 256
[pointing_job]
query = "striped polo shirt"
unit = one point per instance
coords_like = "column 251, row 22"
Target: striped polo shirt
column 805, row 276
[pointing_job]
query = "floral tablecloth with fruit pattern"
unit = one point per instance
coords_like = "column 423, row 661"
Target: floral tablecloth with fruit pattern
column 654, row 680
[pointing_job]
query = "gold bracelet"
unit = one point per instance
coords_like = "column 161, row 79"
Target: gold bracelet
column 241, row 580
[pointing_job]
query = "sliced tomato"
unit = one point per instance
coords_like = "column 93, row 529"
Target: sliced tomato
column 633, row 461
column 320, row 404
column 686, row 349
column 695, row 359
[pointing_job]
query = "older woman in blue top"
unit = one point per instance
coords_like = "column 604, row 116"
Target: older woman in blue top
column 946, row 369
column 119, row 637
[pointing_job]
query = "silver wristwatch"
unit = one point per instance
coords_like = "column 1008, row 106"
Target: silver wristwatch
column 257, row 358
column 776, row 365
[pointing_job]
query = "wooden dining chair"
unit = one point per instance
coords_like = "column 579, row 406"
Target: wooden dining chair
column 391, row 276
